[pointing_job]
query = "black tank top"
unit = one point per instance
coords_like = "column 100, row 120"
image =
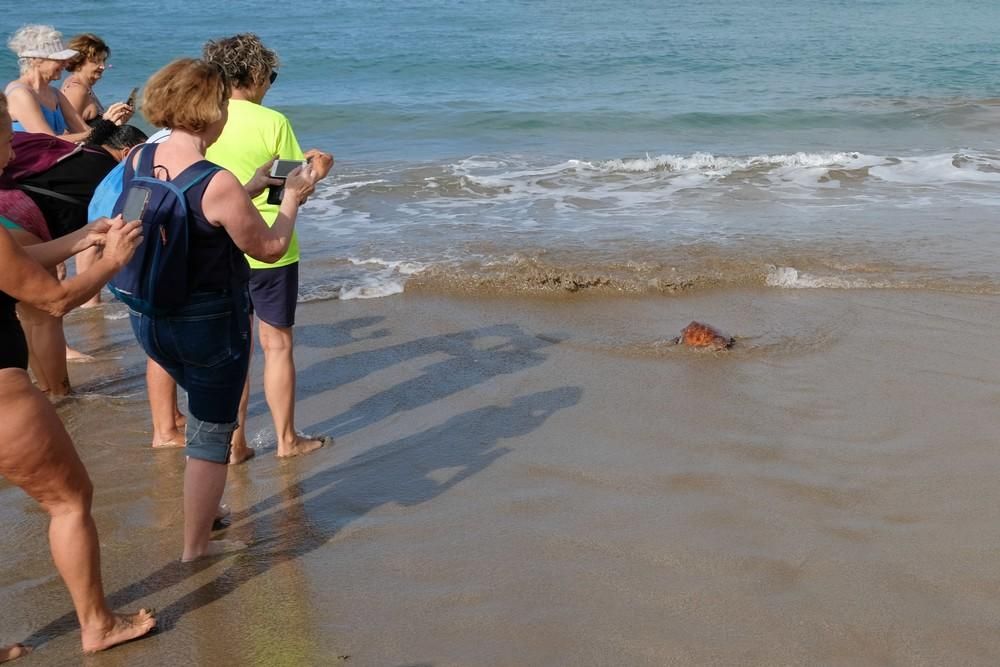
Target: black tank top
column 214, row 262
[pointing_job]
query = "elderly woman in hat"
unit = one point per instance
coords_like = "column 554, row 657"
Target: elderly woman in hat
column 35, row 106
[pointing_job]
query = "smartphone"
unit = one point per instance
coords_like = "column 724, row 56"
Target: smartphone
column 282, row 168
column 131, row 97
column 275, row 193
column 135, row 203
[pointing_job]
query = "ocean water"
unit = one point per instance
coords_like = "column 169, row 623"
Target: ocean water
column 640, row 147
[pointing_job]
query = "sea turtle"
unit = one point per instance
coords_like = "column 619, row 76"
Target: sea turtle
column 701, row 335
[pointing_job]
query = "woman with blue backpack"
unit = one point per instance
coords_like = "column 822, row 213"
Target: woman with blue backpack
column 186, row 286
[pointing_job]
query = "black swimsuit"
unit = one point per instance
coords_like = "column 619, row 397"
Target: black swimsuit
column 13, row 346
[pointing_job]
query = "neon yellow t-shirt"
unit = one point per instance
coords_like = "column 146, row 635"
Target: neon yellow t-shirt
column 252, row 136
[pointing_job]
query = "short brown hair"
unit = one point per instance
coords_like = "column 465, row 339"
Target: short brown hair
column 187, row 94
column 88, row 47
column 243, row 57
column 3, row 104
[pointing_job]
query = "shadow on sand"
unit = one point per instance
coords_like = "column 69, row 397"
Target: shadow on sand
column 309, row 512
column 505, row 349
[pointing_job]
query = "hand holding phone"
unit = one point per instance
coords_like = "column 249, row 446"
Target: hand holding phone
column 131, row 97
column 281, row 169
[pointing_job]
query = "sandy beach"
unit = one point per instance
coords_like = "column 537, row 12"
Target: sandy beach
column 547, row 481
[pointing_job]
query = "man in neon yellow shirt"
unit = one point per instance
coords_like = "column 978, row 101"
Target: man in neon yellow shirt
column 255, row 134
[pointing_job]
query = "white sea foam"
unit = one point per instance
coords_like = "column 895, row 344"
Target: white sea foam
column 788, row 277
column 319, row 293
column 373, row 278
column 938, row 169
column 373, row 291
column 401, row 266
column 724, row 165
column 339, row 188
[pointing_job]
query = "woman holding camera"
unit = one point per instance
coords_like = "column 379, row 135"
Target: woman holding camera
column 204, row 345
column 36, row 453
column 254, row 134
column 85, row 69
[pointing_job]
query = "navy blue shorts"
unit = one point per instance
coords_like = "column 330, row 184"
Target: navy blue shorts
column 205, row 347
column 274, row 293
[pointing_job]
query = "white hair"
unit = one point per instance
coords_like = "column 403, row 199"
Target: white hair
column 28, row 38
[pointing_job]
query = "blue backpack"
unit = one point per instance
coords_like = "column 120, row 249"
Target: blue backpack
column 155, row 281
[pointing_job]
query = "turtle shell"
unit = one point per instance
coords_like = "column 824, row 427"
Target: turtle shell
column 702, row 335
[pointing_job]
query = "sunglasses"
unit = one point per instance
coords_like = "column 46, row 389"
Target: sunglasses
column 274, row 76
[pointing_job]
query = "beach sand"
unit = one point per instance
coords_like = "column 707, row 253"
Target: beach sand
column 547, row 481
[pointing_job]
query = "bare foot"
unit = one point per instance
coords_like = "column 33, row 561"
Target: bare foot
column 13, row 651
column 222, row 517
column 126, row 627
column 62, row 390
column 77, row 356
column 169, row 440
column 216, row 548
column 239, row 455
column 303, row 445
column 94, row 302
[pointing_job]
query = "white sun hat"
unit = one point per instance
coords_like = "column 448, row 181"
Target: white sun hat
column 40, row 41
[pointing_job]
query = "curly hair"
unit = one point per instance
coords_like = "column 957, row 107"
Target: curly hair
column 187, row 94
column 244, row 58
column 88, row 47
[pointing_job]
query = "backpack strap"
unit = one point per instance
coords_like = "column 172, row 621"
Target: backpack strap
column 51, row 193
column 146, row 155
column 130, row 162
column 195, row 174
column 187, row 179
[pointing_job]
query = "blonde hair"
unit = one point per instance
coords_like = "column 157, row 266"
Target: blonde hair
column 244, row 59
column 187, row 94
column 88, row 47
column 29, row 37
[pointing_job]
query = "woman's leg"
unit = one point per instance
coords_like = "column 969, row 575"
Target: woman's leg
column 84, row 261
column 13, row 651
column 204, row 482
column 212, row 337
column 274, row 293
column 37, row 455
column 167, row 419
column 46, row 341
column 279, row 390
column 47, row 346
column 240, row 450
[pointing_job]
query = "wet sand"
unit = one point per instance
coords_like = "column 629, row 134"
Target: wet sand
column 549, row 482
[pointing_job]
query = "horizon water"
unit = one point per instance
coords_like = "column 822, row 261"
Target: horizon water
column 647, row 148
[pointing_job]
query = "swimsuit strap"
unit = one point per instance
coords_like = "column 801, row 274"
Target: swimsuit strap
column 17, row 84
column 14, row 85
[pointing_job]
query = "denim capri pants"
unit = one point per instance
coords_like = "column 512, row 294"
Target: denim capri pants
column 205, row 347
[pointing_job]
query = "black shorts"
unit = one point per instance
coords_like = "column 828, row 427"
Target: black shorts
column 274, row 293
